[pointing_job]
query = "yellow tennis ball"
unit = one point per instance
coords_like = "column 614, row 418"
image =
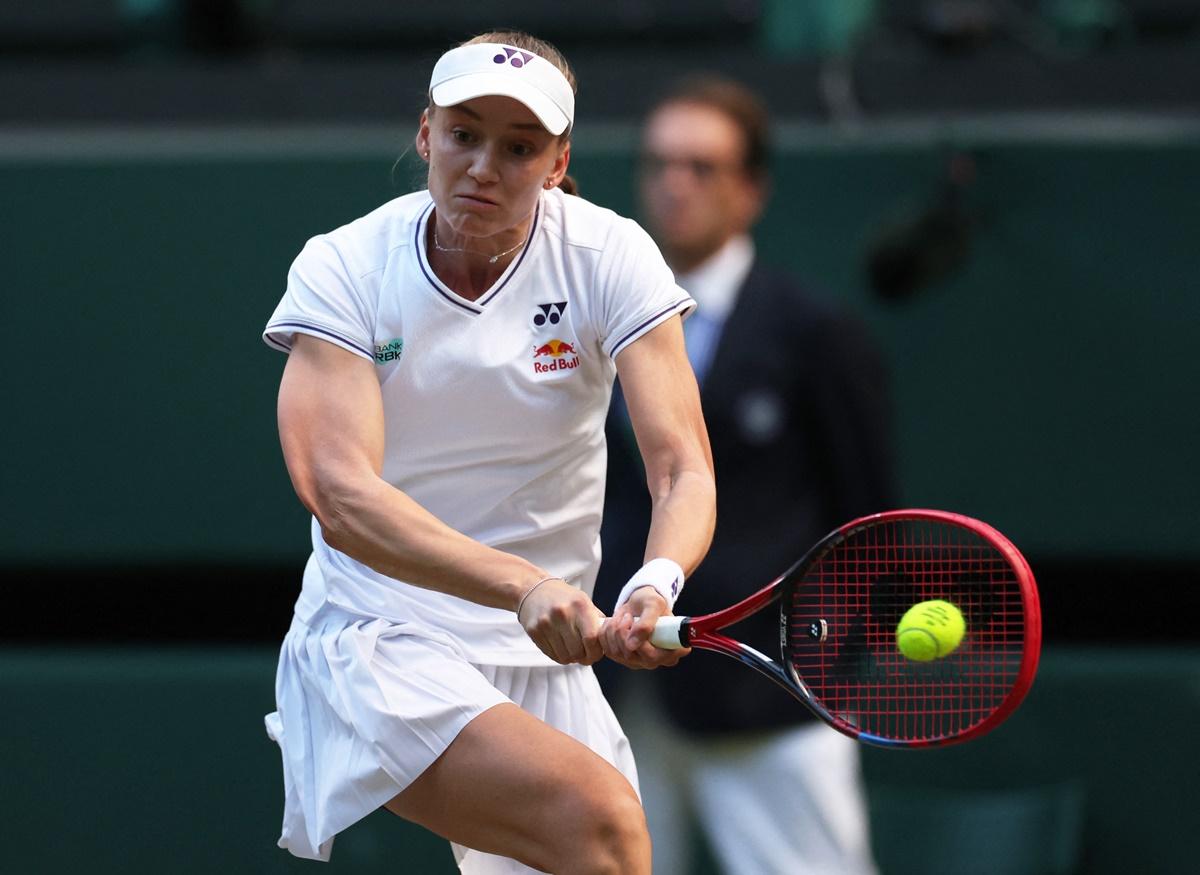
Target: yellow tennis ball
column 930, row 630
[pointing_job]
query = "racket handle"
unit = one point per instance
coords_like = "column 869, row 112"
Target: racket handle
column 668, row 633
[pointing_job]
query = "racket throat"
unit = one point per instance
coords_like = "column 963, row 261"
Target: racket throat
column 747, row 655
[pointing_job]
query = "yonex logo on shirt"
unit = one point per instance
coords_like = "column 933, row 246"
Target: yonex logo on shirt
column 551, row 313
column 389, row 352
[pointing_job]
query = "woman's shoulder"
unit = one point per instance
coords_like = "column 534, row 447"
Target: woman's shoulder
column 580, row 223
column 366, row 242
column 396, row 218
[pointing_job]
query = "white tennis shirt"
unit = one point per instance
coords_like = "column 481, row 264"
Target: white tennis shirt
column 494, row 408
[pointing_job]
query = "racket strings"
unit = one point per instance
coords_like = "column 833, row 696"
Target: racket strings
column 863, row 586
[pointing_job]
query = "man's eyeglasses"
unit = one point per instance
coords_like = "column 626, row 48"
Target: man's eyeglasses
column 701, row 169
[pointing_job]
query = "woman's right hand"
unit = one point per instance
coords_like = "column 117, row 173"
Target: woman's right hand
column 563, row 622
column 625, row 637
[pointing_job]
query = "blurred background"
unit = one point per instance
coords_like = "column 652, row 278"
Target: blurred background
column 1008, row 191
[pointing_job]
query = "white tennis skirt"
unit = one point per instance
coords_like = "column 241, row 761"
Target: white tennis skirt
column 364, row 706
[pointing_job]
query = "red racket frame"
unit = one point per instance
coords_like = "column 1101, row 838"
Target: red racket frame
column 703, row 631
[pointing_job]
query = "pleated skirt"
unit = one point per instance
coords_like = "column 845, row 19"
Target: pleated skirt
column 364, row 706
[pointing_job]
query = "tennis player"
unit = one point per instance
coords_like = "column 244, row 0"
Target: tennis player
column 451, row 359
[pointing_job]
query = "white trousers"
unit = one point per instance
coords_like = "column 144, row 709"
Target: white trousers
column 780, row 803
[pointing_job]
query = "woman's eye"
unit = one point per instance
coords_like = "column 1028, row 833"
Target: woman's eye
column 521, row 150
column 460, row 136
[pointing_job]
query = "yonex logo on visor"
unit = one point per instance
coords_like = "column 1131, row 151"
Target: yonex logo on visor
column 515, row 57
column 483, row 69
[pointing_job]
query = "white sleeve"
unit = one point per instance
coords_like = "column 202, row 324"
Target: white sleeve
column 322, row 299
column 636, row 289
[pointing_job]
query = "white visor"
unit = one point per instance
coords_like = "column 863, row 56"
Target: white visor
column 483, row 69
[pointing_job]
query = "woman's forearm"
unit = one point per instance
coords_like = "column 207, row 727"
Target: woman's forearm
column 683, row 517
column 371, row 521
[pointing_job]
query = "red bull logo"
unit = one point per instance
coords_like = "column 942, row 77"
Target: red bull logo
column 562, row 357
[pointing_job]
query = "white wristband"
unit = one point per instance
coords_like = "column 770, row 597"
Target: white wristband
column 664, row 575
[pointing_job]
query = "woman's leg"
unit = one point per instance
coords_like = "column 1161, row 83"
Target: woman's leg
column 511, row 785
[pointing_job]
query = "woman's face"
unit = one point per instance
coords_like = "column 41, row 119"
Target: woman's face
column 488, row 160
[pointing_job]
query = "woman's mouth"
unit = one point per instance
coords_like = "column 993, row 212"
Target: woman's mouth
column 479, row 199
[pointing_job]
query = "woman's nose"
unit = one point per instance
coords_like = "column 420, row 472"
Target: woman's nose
column 483, row 167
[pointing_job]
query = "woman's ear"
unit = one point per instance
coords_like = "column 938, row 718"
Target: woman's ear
column 560, row 167
column 422, row 138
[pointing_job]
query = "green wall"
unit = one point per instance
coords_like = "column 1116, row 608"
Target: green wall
column 155, row 760
column 1048, row 387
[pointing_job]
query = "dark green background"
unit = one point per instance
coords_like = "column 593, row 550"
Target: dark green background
column 155, row 760
column 1048, row 387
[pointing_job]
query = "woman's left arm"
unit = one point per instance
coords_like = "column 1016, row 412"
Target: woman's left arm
column 664, row 408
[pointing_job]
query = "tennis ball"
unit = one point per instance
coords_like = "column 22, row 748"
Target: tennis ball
column 930, row 630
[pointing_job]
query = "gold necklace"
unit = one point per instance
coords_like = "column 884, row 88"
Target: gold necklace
column 492, row 259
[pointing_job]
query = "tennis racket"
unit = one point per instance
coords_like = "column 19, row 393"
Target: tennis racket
column 839, row 609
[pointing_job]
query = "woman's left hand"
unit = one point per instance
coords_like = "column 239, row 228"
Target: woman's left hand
column 625, row 636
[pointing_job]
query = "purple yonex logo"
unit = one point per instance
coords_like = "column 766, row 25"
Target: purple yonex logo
column 675, row 588
column 515, row 57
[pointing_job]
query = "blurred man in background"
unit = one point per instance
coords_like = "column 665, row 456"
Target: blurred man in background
column 794, row 396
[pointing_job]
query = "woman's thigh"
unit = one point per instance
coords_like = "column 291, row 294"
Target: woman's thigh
column 511, row 785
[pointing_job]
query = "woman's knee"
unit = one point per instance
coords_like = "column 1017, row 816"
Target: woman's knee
column 608, row 831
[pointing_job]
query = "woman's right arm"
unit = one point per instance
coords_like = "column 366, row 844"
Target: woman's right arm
column 331, row 426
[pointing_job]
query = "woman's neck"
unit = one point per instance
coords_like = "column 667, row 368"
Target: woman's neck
column 471, row 265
